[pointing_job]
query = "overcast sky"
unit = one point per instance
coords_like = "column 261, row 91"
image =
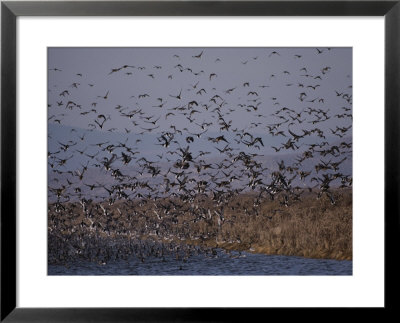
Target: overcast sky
column 282, row 70
column 132, row 101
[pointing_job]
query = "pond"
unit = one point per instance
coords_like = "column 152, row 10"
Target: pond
column 218, row 262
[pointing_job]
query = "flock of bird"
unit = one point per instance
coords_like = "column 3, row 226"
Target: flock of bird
column 140, row 170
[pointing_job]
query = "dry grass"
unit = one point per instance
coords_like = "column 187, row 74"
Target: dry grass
column 310, row 228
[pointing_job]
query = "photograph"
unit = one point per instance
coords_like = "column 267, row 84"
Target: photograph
column 190, row 161
column 199, row 161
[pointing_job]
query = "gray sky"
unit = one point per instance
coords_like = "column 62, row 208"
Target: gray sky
column 236, row 66
column 131, row 96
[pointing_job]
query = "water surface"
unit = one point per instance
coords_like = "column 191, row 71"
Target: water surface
column 218, row 263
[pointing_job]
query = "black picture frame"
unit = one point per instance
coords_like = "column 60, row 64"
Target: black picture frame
column 10, row 10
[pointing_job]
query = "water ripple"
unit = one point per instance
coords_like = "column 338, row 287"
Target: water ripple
column 235, row 263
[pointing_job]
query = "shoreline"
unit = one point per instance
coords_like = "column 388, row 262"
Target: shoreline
column 260, row 249
column 310, row 228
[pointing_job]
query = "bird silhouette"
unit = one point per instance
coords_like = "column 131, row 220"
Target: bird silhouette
column 247, row 138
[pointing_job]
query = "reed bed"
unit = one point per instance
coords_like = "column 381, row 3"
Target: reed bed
column 309, row 227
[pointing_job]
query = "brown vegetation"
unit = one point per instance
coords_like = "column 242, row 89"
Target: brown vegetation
column 310, row 227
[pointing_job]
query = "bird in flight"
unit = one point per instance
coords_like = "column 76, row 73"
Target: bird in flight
column 176, row 96
column 104, row 97
column 274, row 53
column 198, row 56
